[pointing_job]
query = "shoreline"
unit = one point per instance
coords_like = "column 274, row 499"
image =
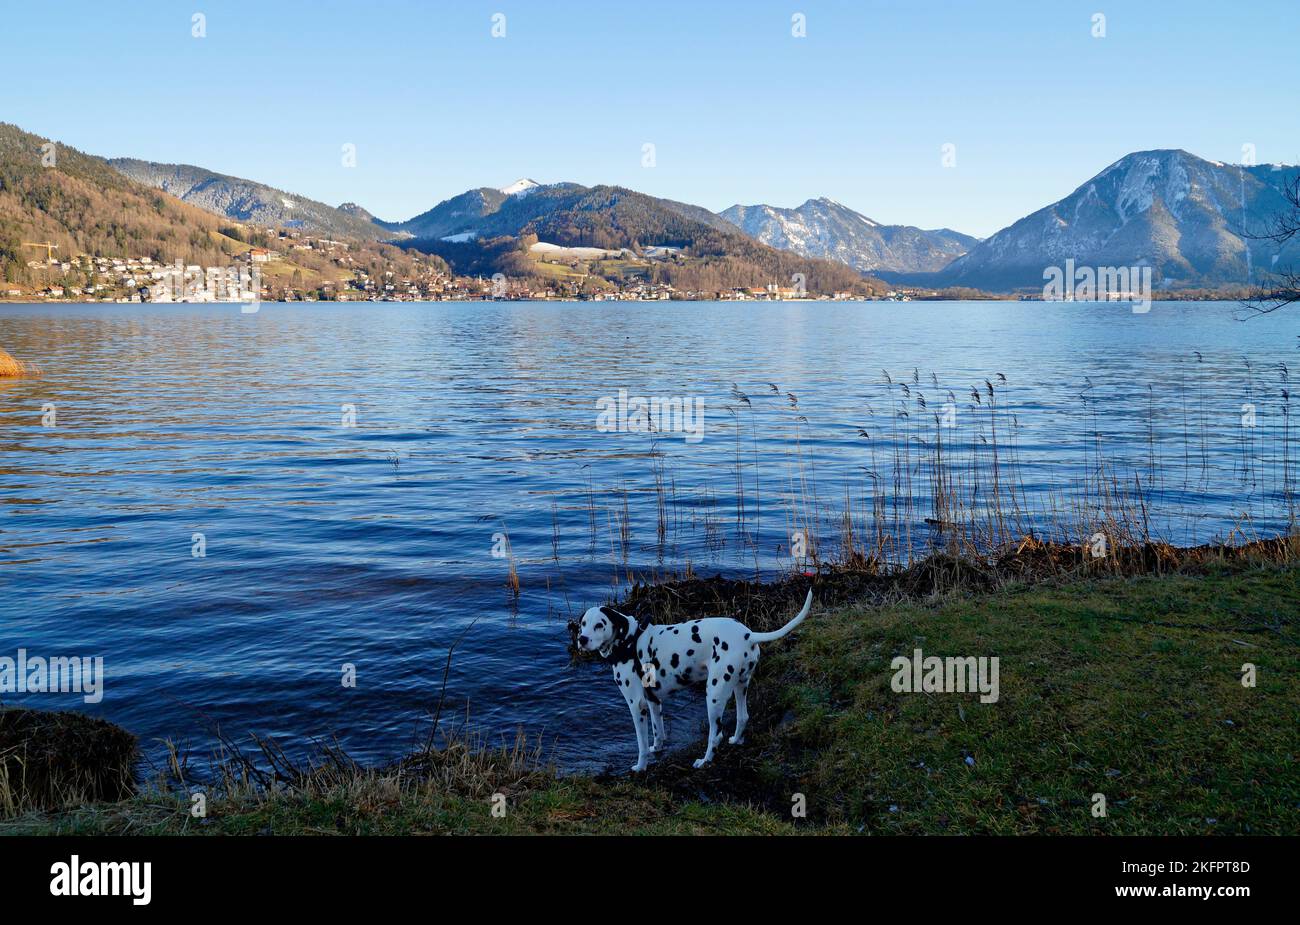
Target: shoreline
column 1104, row 690
column 989, row 298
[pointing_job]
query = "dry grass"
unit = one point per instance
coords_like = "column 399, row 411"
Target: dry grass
column 55, row 760
column 943, row 483
column 13, row 368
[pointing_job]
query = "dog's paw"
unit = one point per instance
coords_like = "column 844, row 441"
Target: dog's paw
column 639, row 766
column 657, row 747
column 732, row 740
column 701, row 762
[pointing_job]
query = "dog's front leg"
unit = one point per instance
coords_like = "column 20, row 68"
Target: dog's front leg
column 641, row 720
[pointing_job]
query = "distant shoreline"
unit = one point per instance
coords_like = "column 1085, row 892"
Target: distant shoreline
column 992, row 298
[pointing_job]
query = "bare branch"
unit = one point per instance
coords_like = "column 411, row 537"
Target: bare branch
column 1285, row 290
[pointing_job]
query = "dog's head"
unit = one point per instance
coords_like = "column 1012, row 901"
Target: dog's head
column 602, row 628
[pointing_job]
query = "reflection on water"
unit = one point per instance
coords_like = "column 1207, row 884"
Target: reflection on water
column 372, row 545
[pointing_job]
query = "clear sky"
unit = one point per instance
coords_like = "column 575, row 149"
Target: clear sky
column 738, row 109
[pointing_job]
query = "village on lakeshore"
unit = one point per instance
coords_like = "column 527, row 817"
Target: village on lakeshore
column 258, row 274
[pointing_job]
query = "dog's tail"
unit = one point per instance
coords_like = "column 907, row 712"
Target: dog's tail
column 771, row 637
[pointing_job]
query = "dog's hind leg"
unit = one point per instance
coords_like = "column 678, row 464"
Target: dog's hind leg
column 742, row 713
column 657, row 723
column 717, row 694
column 744, row 674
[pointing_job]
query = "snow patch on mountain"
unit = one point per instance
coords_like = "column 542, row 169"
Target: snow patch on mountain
column 521, row 187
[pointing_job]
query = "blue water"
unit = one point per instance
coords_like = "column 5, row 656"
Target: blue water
column 373, row 545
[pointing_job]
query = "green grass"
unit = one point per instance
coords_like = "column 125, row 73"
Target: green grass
column 1126, row 687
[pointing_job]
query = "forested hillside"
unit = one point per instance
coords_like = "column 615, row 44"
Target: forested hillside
column 249, row 201
column 82, row 205
column 714, row 256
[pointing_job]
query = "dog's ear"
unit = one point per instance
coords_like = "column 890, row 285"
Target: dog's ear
column 619, row 622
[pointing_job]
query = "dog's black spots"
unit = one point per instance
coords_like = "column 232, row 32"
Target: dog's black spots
column 725, row 647
column 620, row 624
column 747, row 635
column 675, row 632
column 716, row 640
column 675, row 660
column 625, row 642
column 715, row 682
column 684, row 678
column 690, row 652
column 663, row 672
column 695, row 633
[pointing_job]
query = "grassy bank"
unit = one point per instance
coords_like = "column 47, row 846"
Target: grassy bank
column 1126, row 687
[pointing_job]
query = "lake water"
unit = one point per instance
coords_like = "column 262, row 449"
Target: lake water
column 353, row 468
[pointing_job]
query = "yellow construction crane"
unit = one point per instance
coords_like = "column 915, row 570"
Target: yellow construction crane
column 49, row 249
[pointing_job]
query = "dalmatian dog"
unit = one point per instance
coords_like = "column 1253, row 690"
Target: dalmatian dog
column 651, row 662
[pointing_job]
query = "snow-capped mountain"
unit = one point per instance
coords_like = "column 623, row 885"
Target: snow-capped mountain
column 825, row 228
column 520, row 187
column 1177, row 213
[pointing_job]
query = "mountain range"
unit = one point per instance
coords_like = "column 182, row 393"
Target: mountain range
column 467, row 229
column 1188, row 218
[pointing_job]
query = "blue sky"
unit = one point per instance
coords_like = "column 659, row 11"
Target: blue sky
column 738, row 109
